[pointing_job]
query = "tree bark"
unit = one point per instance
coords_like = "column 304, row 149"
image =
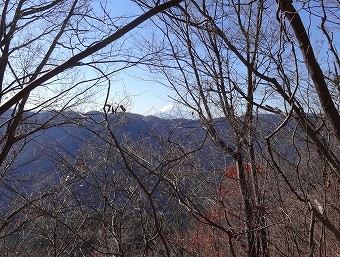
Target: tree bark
column 327, row 104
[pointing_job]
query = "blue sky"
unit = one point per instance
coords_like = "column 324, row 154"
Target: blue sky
column 144, row 96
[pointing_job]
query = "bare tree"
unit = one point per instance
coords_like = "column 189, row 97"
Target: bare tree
column 44, row 45
column 257, row 177
column 241, row 59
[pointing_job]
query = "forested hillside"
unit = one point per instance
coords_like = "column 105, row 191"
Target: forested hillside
column 248, row 163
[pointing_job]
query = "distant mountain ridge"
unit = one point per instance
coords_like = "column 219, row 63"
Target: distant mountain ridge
column 78, row 129
column 47, row 148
